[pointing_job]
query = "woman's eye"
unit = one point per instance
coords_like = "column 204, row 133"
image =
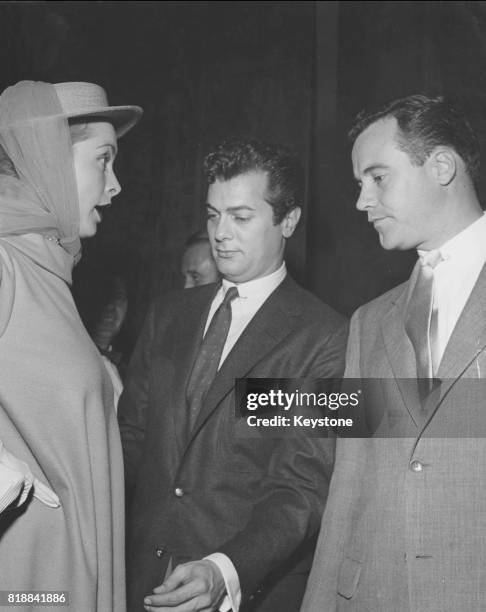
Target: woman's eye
column 105, row 160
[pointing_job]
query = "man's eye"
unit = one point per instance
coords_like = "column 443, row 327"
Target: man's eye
column 241, row 219
column 378, row 178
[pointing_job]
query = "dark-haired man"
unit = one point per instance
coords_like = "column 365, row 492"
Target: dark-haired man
column 406, row 515
column 252, row 506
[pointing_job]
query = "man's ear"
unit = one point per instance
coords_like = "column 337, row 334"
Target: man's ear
column 443, row 163
column 290, row 221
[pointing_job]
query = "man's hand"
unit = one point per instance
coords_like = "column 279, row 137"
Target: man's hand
column 191, row 587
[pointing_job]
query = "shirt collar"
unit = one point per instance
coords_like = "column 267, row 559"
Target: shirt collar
column 264, row 284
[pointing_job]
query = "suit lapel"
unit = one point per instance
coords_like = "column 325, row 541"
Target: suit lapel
column 270, row 325
column 400, row 351
column 468, row 338
column 467, row 341
column 189, row 328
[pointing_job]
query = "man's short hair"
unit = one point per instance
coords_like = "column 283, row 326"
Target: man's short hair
column 425, row 123
column 285, row 173
column 198, row 237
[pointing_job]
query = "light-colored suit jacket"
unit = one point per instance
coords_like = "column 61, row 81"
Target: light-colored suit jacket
column 405, row 523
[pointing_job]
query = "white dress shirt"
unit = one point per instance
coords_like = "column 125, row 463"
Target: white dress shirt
column 116, row 381
column 463, row 257
column 251, row 296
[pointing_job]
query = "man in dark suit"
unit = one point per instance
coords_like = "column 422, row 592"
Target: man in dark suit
column 250, row 505
column 405, row 519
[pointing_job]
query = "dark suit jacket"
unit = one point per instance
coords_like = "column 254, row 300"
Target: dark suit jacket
column 405, row 518
column 258, row 501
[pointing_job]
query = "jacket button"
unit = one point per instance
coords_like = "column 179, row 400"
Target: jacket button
column 416, row 466
column 159, row 553
column 179, row 492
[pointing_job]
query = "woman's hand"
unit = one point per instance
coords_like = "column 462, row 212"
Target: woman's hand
column 16, row 481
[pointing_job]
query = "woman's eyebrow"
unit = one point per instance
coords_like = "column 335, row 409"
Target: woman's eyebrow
column 113, row 148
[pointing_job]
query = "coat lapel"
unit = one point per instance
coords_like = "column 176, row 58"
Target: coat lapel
column 189, row 327
column 467, row 342
column 270, row 325
column 400, row 351
column 468, row 338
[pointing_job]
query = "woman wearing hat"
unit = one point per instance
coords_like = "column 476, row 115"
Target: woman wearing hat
column 61, row 480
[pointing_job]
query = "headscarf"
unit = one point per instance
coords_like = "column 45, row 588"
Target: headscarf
column 35, row 135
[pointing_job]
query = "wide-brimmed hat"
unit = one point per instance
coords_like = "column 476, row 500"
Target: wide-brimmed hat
column 79, row 99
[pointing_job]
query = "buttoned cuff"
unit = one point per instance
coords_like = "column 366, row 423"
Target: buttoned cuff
column 232, row 598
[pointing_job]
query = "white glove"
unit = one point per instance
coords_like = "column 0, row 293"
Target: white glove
column 16, row 481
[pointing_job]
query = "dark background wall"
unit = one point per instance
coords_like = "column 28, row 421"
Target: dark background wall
column 290, row 72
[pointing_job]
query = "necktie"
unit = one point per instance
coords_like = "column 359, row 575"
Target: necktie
column 421, row 323
column 209, row 355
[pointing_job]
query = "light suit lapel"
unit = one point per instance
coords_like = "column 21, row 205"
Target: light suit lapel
column 400, row 353
column 467, row 341
column 466, row 344
column 468, row 338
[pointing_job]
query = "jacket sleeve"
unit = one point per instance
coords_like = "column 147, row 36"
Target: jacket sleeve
column 322, row 585
column 133, row 403
column 286, row 519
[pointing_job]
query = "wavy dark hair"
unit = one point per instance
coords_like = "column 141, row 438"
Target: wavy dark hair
column 285, row 173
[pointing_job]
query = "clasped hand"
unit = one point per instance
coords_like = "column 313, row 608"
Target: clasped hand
column 192, row 587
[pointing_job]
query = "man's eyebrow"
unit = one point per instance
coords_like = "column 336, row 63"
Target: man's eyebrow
column 369, row 170
column 232, row 208
column 374, row 167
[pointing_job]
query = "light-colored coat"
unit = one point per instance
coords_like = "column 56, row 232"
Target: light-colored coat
column 400, row 536
column 57, row 415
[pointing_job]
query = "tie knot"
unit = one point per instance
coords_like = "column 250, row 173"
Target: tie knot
column 230, row 295
column 431, row 258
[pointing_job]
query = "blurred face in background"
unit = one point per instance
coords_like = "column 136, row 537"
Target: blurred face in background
column 198, row 267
